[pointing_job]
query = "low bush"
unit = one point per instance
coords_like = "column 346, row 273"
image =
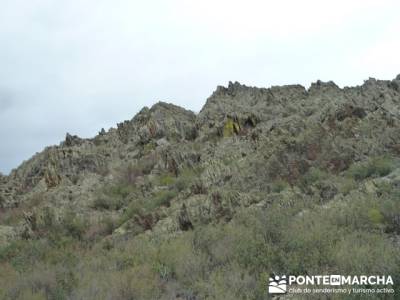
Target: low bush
column 313, row 175
column 114, row 196
column 188, row 178
column 143, row 206
column 389, row 207
column 230, row 128
column 376, row 167
column 129, row 174
column 73, row 225
column 345, row 185
column 166, row 180
column 97, row 230
column 219, row 260
column 11, row 216
column 161, row 198
column 375, row 216
column 108, row 203
column 279, row 185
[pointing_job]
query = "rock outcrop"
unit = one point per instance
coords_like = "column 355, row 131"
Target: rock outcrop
column 231, row 154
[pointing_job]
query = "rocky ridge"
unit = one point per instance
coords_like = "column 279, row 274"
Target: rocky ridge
column 243, row 143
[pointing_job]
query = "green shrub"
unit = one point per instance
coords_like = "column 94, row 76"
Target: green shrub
column 109, row 224
column 73, row 225
column 177, row 259
column 113, row 197
column 147, row 148
column 187, row 177
column 22, row 254
column 120, row 190
column 161, row 198
column 375, row 216
column 56, row 283
column 345, row 185
column 108, row 203
column 181, row 184
column 134, row 208
column 166, row 180
column 389, row 206
column 143, row 206
column 230, row 128
column 279, row 185
column 365, row 253
column 313, row 175
column 147, row 163
column 376, row 167
column 97, row 230
column 233, row 282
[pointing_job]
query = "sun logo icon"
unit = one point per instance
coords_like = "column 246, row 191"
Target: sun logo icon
column 277, row 284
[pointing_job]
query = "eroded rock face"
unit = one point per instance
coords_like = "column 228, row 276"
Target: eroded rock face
column 72, row 140
column 243, row 141
column 163, row 120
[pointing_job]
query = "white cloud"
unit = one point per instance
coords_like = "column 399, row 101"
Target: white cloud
column 382, row 59
column 80, row 65
column 278, row 19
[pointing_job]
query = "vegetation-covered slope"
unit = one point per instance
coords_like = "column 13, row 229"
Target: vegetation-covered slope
column 174, row 205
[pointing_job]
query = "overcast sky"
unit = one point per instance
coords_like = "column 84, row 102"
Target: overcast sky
column 79, row 65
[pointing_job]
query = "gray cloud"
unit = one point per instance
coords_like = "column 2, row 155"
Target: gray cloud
column 77, row 66
column 6, row 100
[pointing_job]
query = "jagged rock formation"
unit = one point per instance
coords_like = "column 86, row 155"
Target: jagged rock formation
column 243, row 141
column 177, row 205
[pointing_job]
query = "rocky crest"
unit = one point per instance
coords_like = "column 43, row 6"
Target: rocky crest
column 242, row 142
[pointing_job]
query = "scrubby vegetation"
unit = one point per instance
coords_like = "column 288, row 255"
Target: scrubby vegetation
column 379, row 166
column 173, row 205
column 213, row 261
column 231, row 257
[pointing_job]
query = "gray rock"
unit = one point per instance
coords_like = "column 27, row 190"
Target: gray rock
column 235, row 153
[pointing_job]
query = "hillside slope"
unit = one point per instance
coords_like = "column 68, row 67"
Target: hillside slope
column 174, row 205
